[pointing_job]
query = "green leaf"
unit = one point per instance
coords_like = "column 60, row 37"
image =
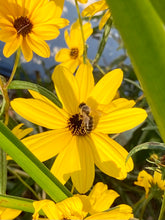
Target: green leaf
column 17, row 84
column 146, row 146
column 143, row 34
column 14, row 202
column 159, row 6
column 31, row 165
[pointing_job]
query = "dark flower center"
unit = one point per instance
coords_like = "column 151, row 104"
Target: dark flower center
column 75, row 125
column 74, row 53
column 23, row 26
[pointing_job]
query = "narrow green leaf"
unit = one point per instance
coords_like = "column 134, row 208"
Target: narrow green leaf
column 146, row 146
column 3, row 172
column 143, row 34
column 103, row 41
column 17, row 84
column 14, row 202
column 27, row 161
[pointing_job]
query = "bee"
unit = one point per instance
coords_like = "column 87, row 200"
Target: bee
column 87, row 120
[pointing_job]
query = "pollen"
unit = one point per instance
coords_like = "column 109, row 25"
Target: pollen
column 23, row 26
column 74, row 53
column 75, row 125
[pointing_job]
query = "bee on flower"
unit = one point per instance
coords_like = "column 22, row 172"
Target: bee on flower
column 80, row 146
column 27, row 24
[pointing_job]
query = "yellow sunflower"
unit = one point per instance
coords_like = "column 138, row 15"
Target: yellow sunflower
column 71, row 57
column 26, row 24
column 79, row 130
column 98, row 6
column 78, row 206
column 147, row 181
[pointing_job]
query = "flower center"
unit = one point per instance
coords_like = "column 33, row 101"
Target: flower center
column 74, row 53
column 75, row 125
column 23, row 26
column 80, row 126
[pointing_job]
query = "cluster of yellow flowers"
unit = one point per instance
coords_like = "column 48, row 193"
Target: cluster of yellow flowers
column 77, row 133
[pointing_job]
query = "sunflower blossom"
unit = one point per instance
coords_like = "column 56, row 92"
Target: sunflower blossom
column 26, row 24
column 79, row 131
column 98, row 6
column 72, row 56
column 79, row 206
column 147, row 181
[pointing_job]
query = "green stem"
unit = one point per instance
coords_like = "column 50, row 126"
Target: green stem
column 99, row 68
column 162, row 210
column 3, row 172
column 23, row 182
column 14, row 68
column 150, row 196
column 103, row 41
column 82, row 32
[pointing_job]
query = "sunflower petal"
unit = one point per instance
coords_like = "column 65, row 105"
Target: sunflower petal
column 49, row 208
column 6, row 213
column 40, row 113
column 8, row 34
column 73, row 207
column 46, row 31
column 109, row 83
column 104, row 19
column 157, row 179
column 67, row 88
column 109, row 156
column 26, row 50
column 37, row 95
column 85, row 80
column 117, row 104
column 63, row 55
column 122, row 211
column 12, row 46
column 83, row 176
column 101, row 198
column 38, row 45
column 87, row 30
column 62, row 167
column 47, row 144
column 120, row 121
column 144, row 180
column 94, row 8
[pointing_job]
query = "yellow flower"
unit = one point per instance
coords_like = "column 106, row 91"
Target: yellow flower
column 98, row 6
column 78, row 206
column 79, row 130
column 27, row 24
column 147, row 181
column 71, row 57
column 6, row 213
